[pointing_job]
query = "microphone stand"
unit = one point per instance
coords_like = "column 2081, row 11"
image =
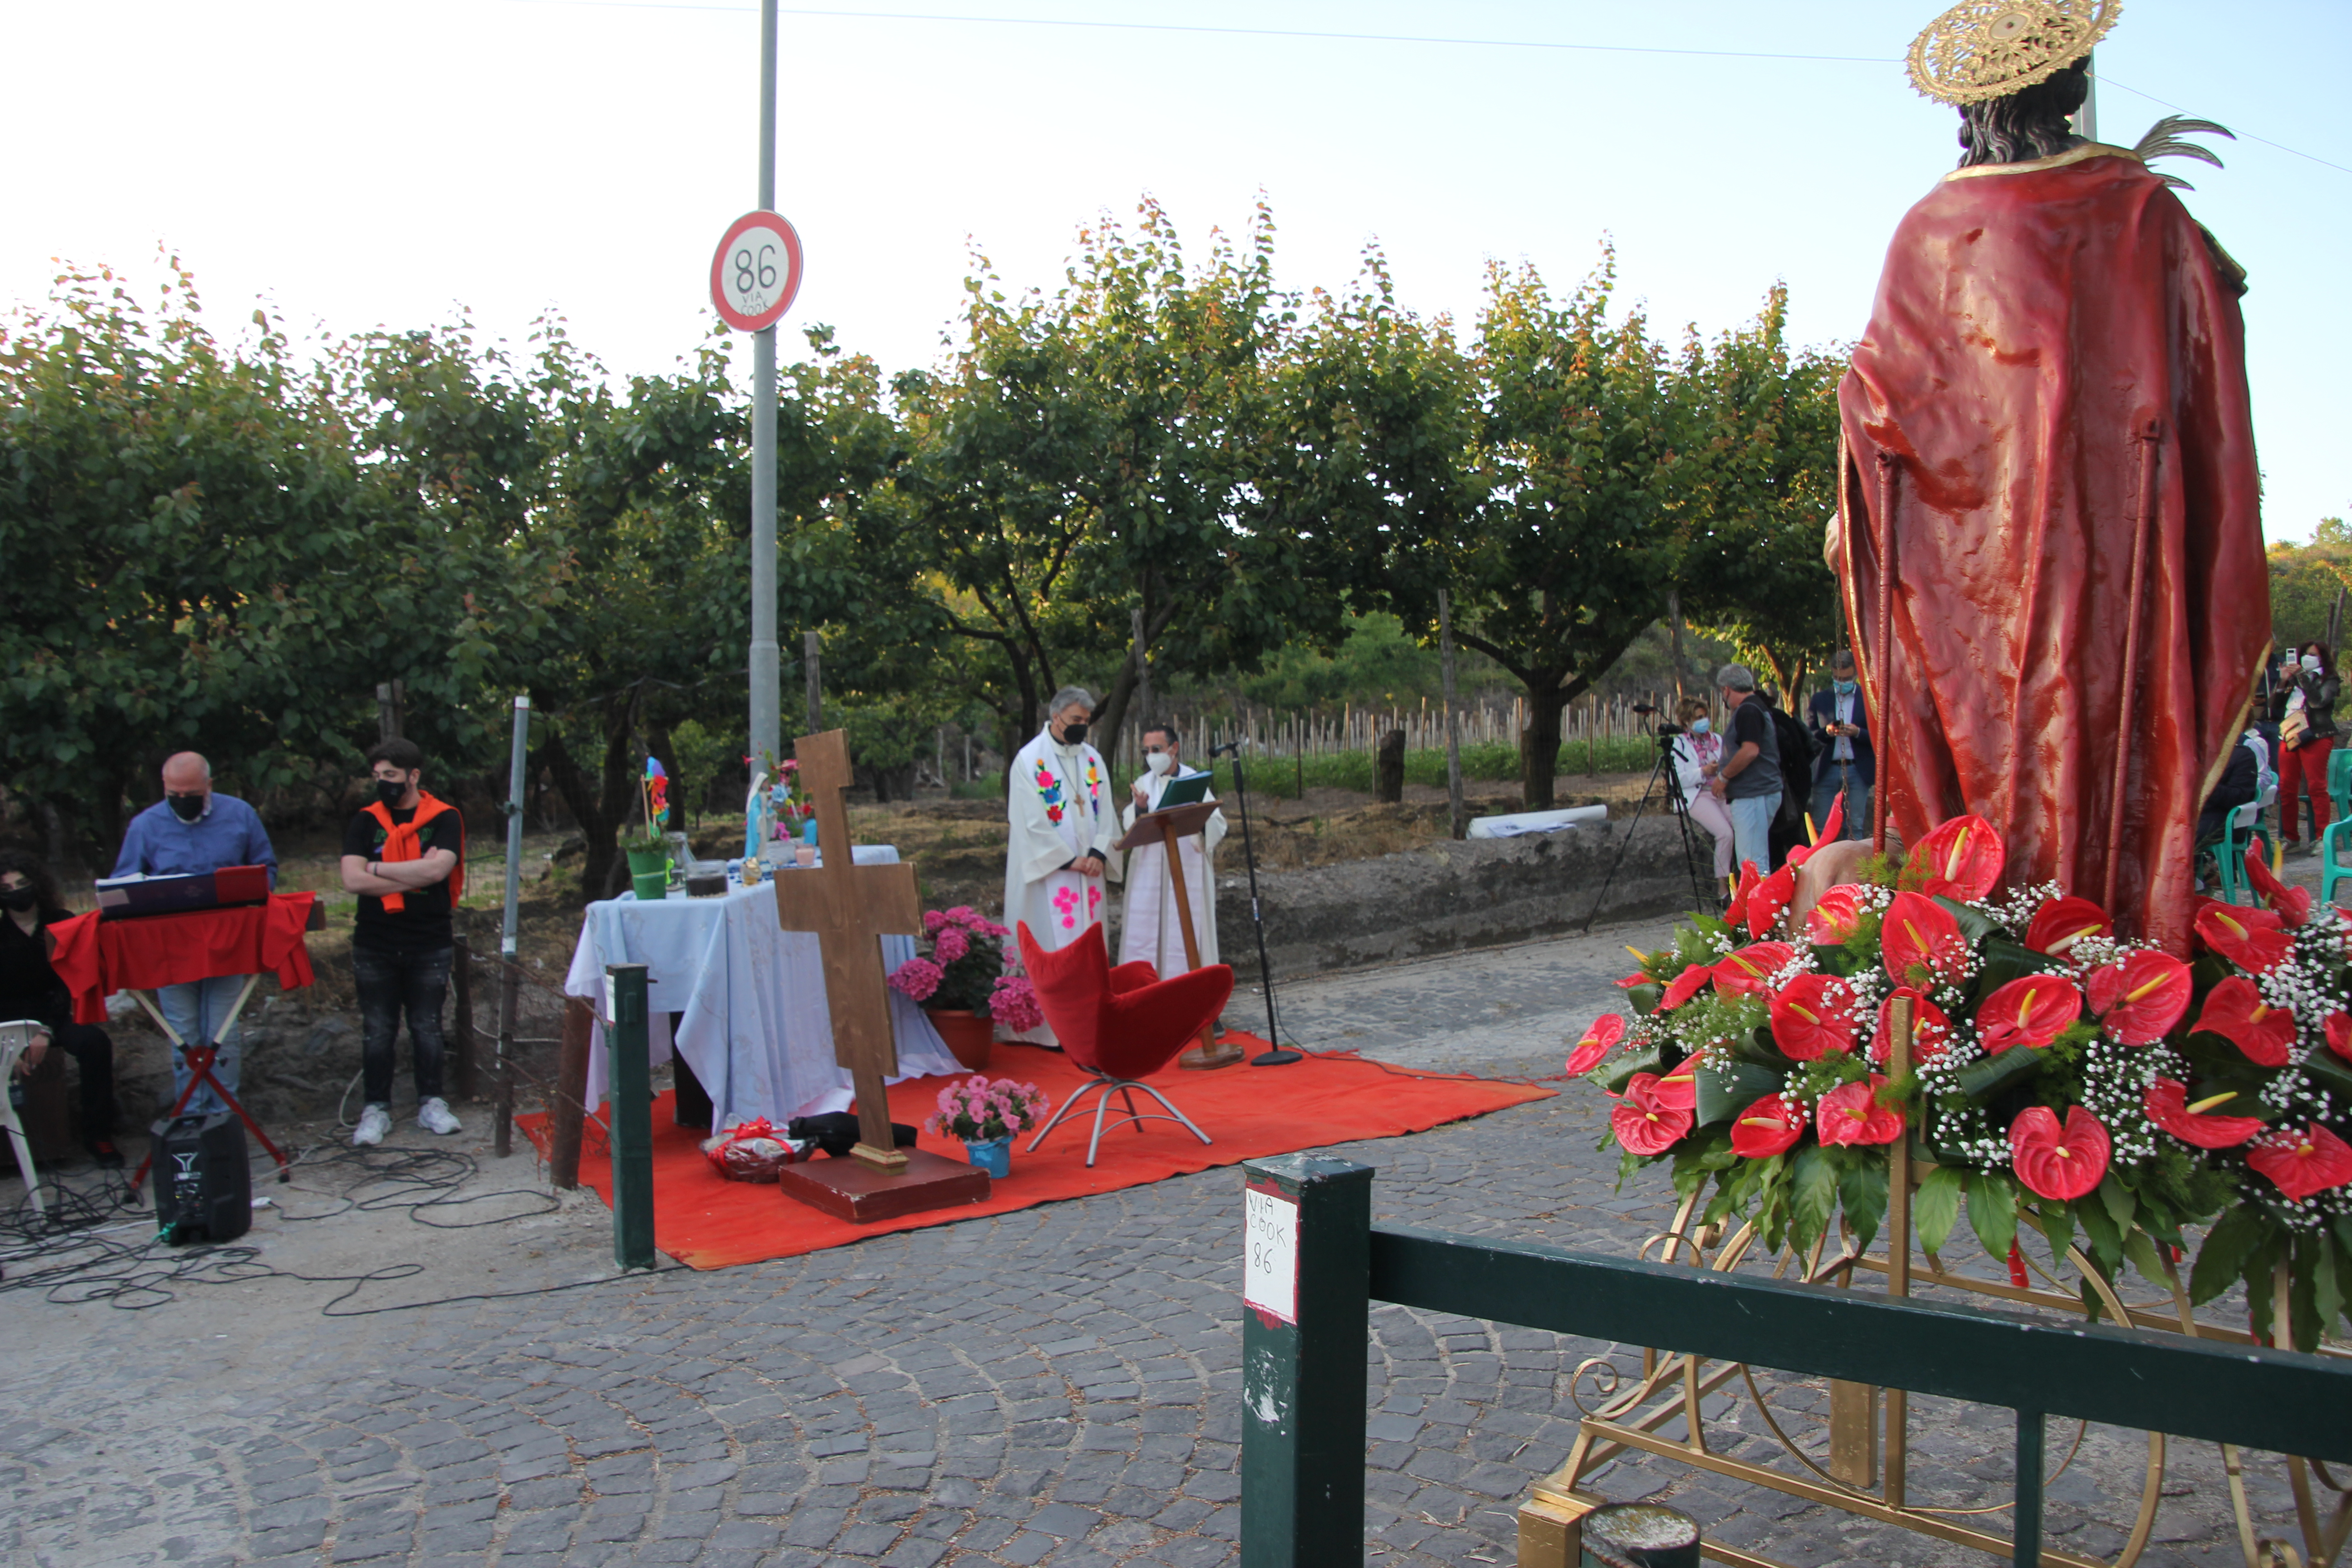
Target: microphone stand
column 1275, row 1056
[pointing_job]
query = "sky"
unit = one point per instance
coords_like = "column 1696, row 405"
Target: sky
column 351, row 166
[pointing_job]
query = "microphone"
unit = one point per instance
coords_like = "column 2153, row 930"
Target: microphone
column 1230, row 749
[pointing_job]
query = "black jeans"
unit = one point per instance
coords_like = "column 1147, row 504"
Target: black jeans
column 93, row 1051
column 390, row 983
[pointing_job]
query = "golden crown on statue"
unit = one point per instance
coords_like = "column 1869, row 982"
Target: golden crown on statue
column 1990, row 48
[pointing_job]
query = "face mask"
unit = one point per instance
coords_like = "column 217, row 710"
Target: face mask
column 187, row 807
column 1074, row 734
column 1844, row 688
column 388, row 792
column 2311, row 662
column 1700, row 726
column 16, row 900
column 1158, row 762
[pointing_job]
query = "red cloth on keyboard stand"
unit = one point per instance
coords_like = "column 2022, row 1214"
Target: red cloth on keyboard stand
column 96, row 958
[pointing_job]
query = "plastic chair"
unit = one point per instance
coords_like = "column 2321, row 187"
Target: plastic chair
column 1120, row 1025
column 16, row 1039
column 2240, row 827
column 2339, row 792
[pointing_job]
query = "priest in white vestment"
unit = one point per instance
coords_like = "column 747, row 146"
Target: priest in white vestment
column 1057, row 853
column 1149, row 928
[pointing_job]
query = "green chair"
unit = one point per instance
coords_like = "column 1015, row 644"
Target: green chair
column 2240, row 828
column 2339, row 790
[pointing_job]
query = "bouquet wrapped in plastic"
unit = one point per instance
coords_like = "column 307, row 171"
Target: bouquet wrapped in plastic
column 755, row 1151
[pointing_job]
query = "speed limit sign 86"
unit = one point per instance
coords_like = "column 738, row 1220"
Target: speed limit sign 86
column 756, row 271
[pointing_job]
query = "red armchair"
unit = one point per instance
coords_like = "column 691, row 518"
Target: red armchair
column 1120, row 1024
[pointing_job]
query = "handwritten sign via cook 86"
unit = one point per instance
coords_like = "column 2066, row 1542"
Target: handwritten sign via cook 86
column 756, row 271
column 1270, row 1266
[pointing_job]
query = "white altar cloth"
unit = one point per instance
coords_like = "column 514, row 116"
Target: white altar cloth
column 755, row 1027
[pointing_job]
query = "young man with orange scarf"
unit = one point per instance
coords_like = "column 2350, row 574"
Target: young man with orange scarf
column 405, row 855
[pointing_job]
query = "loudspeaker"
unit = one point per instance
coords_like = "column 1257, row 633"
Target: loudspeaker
column 203, row 1187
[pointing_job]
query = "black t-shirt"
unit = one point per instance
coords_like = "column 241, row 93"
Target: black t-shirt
column 1752, row 725
column 30, row 987
column 423, row 924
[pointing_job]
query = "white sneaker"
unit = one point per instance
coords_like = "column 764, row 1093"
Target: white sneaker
column 374, row 1122
column 435, row 1117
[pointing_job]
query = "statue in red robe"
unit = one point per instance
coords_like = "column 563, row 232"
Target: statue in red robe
column 2046, row 437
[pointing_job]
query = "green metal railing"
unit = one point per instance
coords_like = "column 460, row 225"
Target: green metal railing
column 1316, row 1262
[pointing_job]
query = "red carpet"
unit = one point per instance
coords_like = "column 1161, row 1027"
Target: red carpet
column 708, row 1222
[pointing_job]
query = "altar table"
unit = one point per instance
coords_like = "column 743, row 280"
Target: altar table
column 754, row 1024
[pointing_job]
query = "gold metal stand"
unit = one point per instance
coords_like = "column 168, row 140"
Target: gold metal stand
column 1867, row 1472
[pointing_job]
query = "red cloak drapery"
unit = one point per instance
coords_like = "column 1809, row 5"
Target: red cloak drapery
column 2043, row 331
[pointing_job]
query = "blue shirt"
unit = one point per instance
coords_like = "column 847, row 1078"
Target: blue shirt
column 229, row 832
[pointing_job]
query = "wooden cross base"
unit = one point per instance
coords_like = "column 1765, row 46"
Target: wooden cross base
column 852, row 1190
column 1213, row 1051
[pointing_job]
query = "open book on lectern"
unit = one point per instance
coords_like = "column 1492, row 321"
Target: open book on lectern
column 1185, row 789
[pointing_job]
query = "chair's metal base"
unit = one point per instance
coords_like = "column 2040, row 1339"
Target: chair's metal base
column 1123, row 1087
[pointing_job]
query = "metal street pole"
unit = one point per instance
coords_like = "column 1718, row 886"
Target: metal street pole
column 767, row 694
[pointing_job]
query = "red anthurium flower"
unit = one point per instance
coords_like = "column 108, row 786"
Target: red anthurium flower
column 2141, row 998
column 1833, row 916
column 2293, row 904
column 2059, row 924
column 1931, row 1032
column 2030, row 1010
column 1745, row 878
column 1960, row 860
column 2234, row 1009
column 1744, row 973
column 1810, row 1015
column 1687, row 984
column 1769, row 898
column 1851, row 1113
column 2060, row 1163
column 1597, row 1042
column 2167, row 1103
column 1767, row 1128
column 2250, row 939
column 1637, row 978
column 1920, row 933
column 1832, row 826
column 2339, row 1034
column 1678, row 1091
column 1644, row 1124
column 2302, row 1161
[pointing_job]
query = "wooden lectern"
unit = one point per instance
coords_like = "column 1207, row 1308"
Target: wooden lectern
column 1169, row 827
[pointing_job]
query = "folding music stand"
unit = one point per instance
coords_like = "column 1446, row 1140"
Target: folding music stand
column 1170, row 827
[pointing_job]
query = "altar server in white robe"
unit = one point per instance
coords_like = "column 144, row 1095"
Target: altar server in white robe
column 1148, row 923
column 1057, row 854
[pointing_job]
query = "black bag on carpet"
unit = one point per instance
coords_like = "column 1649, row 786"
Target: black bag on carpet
column 836, row 1131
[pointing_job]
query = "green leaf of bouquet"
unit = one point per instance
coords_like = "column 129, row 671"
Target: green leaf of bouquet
column 1862, row 1187
column 1935, row 1207
column 2330, row 1072
column 1992, row 1212
column 2055, row 1220
column 1812, row 1199
column 1724, row 1093
column 2303, row 1291
column 1975, row 924
column 2106, row 1236
column 1618, row 1072
column 2327, row 1281
column 2222, row 1258
column 1988, row 1076
column 2141, row 1249
column 2118, row 1199
column 1645, row 999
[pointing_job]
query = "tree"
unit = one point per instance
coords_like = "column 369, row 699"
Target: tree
column 189, row 561
column 1753, row 493
column 2306, row 580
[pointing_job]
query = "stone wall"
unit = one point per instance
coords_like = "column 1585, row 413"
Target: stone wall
column 1450, row 895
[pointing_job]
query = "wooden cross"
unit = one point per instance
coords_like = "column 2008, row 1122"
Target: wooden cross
column 851, row 909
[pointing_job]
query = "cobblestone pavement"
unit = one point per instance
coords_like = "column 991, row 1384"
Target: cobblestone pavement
column 1059, row 1386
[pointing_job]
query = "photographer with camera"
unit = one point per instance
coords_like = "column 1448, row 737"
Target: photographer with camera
column 1749, row 781
column 1698, row 754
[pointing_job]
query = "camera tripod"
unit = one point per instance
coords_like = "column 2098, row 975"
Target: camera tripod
column 1665, row 735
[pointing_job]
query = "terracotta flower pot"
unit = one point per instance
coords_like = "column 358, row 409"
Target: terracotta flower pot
column 968, row 1035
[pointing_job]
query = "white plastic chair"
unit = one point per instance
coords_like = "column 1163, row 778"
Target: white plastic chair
column 16, row 1039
